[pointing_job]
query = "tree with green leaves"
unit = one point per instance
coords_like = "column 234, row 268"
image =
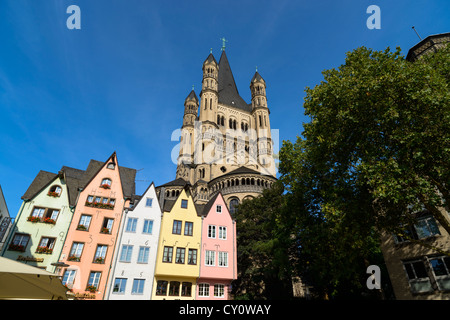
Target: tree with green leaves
column 377, row 149
column 265, row 244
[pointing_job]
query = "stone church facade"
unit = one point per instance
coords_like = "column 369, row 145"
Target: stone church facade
column 226, row 143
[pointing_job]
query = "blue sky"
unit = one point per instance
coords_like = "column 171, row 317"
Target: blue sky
column 119, row 83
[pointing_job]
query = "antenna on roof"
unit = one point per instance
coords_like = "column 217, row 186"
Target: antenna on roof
column 416, row 32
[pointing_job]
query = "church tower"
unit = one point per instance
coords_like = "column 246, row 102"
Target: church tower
column 187, row 130
column 226, row 143
column 260, row 113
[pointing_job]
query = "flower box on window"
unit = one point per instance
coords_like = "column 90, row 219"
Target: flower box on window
column 16, row 247
column 105, row 186
column 99, row 260
column 73, row 258
column 105, row 230
column 91, row 288
column 81, row 227
column 34, row 219
column 44, row 250
column 53, row 194
column 49, row 221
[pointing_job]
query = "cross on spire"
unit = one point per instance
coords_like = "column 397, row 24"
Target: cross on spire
column 223, row 43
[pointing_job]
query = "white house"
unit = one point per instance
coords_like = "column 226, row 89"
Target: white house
column 133, row 265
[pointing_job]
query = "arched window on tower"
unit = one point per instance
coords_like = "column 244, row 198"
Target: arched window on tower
column 233, row 205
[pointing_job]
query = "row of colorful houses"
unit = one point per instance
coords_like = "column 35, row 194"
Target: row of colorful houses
column 108, row 243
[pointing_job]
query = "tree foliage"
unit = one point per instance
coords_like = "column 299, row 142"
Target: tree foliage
column 264, row 247
column 377, row 148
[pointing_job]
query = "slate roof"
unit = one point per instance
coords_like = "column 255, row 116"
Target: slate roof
column 228, row 92
column 42, row 179
column 192, row 96
column 77, row 179
column 175, row 183
column 257, row 76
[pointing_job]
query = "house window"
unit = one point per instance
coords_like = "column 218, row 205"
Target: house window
column 119, row 285
column 223, row 233
column 209, row 258
column 125, row 255
column 192, row 256
column 188, row 228
column 426, row 227
column 46, row 245
column 167, row 254
column 55, row 191
column 148, row 202
column 90, row 199
column 211, row 231
column 223, row 259
column 97, row 199
column 176, row 229
column 174, row 288
column 179, row 256
column 441, row 270
column 94, row 279
column 38, row 212
column 107, row 225
column 84, row 223
column 148, row 226
column 131, row 225
column 203, row 289
column 138, row 286
column 20, row 242
column 161, row 288
column 184, row 204
column 186, row 289
column 51, row 214
column 106, row 183
column 143, row 254
column 219, row 208
column 76, row 251
column 219, row 290
column 417, row 276
column 68, row 278
column 111, row 165
column 100, row 254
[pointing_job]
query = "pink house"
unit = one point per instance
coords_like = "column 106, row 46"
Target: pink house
column 218, row 265
column 106, row 189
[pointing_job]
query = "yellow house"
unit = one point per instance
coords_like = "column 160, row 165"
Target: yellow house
column 178, row 259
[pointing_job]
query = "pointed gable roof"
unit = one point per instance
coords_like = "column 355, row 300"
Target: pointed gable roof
column 228, row 92
column 210, row 58
column 257, row 77
column 191, row 96
column 127, row 175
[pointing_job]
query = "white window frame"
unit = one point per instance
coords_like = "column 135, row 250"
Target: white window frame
column 223, row 259
column 222, row 232
column 126, row 253
column 131, row 224
column 210, row 258
column 203, row 290
column 122, row 282
column 148, row 223
column 144, row 253
column 212, row 231
column 219, row 290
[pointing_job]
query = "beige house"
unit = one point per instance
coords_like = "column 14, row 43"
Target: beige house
column 226, row 143
column 417, row 271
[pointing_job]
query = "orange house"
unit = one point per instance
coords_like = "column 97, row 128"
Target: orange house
column 92, row 234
